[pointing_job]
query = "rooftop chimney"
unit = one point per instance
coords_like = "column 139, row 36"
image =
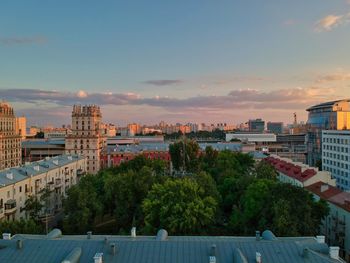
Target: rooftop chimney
column 133, row 232
column 320, row 239
column 324, row 187
column 334, row 252
column 258, row 257
column 98, row 258
column 6, row 236
column 19, row 244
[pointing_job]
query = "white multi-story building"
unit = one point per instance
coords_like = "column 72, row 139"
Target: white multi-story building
column 336, row 156
column 56, row 175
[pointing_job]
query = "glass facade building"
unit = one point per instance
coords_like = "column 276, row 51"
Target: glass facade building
column 334, row 115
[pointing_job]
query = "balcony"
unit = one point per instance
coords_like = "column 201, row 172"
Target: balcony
column 10, row 207
column 58, row 183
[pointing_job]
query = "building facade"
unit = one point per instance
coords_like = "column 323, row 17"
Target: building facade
column 56, row 175
column 275, row 127
column 21, row 126
column 336, row 156
column 10, row 140
column 87, row 138
column 257, row 125
column 334, row 115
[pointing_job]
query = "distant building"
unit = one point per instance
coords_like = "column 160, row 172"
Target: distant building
column 86, row 138
column 10, row 139
column 257, row 125
column 21, row 127
column 38, row 149
column 333, row 115
column 336, row 156
column 57, row 248
column 275, row 127
column 251, row 137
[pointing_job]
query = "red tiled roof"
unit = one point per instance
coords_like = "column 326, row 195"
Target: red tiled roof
column 332, row 195
column 291, row 169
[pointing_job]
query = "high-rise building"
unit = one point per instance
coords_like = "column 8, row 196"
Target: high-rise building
column 86, row 138
column 257, row 125
column 275, row 127
column 21, row 126
column 333, row 115
column 336, row 156
column 10, row 140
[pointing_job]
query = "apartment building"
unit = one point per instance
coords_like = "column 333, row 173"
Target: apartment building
column 55, row 175
column 336, row 156
column 10, row 140
column 21, row 126
column 87, row 138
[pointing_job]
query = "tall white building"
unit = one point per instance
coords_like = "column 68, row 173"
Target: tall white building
column 336, row 156
column 87, row 138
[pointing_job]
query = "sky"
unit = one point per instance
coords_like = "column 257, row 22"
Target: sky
column 178, row 61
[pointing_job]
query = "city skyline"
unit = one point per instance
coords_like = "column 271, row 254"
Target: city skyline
column 178, row 62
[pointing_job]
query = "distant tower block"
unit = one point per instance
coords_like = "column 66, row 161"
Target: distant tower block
column 86, row 138
column 295, row 119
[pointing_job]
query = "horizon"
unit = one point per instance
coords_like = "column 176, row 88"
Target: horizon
column 201, row 61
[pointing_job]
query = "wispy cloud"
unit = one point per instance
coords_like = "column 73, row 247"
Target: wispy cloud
column 332, row 21
column 341, row 76
column 163, row 82
column 12, row 41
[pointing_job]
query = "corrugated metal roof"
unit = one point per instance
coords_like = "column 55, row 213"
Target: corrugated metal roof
column 148, row 250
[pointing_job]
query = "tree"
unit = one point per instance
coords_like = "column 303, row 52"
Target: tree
column 264, row 170
column 33, row 207
column 21, row 226
column 185, row 155
column 180, row 206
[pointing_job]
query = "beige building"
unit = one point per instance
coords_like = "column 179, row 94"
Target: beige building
column 55, row 174
column 10, row 140
column 87, row 138
column 21, row 126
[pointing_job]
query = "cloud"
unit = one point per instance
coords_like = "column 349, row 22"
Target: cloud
column 163, row 82
column 333, row 77
column 331, row 21
column 12, row 41
column 236, row 99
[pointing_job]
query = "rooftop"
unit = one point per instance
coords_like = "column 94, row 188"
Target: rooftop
column 186, row 249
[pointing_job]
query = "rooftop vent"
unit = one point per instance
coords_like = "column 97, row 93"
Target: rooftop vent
column 73, row 256
column 113, row 248
column 320, row 239
column 162, row 235
column 98, row 258
column 324, row 187
column 6, row 236
column 258, row 257
column 268, row 235
column 212, row 259
column 9, row 176
column 54, row 233
column 55, row 162
column 133, row 232
column 89, row 234
column 334, row 252
column 19, row 244
column 36, row 168
column 257, row 235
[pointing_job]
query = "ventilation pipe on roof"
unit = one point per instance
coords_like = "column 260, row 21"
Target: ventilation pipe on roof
column 133, row 232
column 106, row 240
column 258, row 257
column 113, row 248
column 89, row 234
column 9, row 176
column 36, row 168
column 6, row 236
column 334, row 252
column 268, row 235
column 98, row 258
column 212, row 257
column 54, row 233
column 257, row 235
column 73, row 256
column 19, row 244
column 320, row 239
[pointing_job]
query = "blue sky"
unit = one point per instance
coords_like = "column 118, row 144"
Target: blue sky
column 177, row 61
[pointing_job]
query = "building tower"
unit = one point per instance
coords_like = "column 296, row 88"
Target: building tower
column 87, row 138
column 10, row 140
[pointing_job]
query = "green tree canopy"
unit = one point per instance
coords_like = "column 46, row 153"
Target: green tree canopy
column 180, row 206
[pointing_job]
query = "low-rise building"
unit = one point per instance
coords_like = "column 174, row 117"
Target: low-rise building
column 336, row 226
column 57, row 248
column 298, row 174
column 56, row 175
